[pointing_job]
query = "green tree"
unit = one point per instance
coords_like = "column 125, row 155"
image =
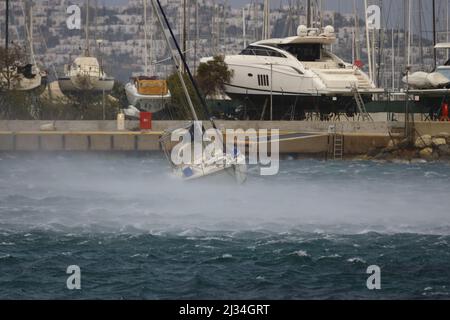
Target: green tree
column 179, row 107
column 212, row 76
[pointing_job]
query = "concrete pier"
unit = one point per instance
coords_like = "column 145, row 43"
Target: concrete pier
column 296, row 137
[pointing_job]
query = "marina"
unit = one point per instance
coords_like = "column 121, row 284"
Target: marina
column 195, row 150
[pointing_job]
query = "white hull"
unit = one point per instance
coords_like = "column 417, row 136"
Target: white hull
column 150, row 103
column 85, row 76
column 69, row 86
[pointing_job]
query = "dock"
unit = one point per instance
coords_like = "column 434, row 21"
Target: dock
column 296, row 137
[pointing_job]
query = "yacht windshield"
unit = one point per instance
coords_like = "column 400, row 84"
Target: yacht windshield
column 304, row 51
column 445, row 71
column 261, row 51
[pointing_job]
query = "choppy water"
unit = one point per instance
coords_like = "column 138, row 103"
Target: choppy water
column 137, row 232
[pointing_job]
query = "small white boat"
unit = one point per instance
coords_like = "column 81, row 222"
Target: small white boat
column 147, row 93
column 25, row 78
column 85, row 74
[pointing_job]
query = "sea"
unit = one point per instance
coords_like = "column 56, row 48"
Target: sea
column 133, row 230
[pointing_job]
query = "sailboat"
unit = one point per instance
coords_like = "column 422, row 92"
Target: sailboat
column 145, row 92
column 85, row 74
column 203, row 164
column 21, row 77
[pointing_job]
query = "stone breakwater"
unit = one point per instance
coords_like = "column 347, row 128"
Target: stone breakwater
column 424, row 148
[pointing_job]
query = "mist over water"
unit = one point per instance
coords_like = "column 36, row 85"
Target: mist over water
column 138, row 232
column 122, row 192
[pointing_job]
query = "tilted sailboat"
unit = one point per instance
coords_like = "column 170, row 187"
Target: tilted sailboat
column 201, row 164
column 144, row 92
column 85, row 74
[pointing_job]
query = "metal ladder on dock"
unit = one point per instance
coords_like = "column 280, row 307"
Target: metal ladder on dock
column 336, row 144
column 362, row 112
column 338, row 148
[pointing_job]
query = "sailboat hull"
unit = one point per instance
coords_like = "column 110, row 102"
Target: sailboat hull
column 70, row 87
column 150, row 103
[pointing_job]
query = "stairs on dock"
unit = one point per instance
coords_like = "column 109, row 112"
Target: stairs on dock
column 362, row 112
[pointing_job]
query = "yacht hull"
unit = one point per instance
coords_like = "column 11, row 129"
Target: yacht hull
column 293, row 106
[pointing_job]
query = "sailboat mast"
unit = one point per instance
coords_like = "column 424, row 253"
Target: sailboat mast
column 308, row 13
column 409, row 31
column 420, row 33
column 31, row 35
column 145, row 39
column 243, row 28
column 7, row 26
column 434, row 34
column 88, row 50
column 174, row 57
column 266, row 27
column 356, row 41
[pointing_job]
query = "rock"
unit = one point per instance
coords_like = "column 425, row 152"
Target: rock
column 444, row 135
column 424, row 141
column 444, row 150
column 373, row 152
column 403, row 144
column 439, row 142
column 48, row 127
column 392, row 145
column 426, row 153
column 418, row 161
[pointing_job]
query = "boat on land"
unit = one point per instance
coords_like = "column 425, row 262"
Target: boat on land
column 144, row 92
column 85, row 76
column 23, row 76
column 294, row 75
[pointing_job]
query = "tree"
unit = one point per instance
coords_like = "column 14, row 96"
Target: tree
column 212, row 76
column 11, row 60
column 179, row 108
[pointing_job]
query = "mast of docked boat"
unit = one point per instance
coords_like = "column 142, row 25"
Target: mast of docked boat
column 197, row 35
column 434, row 35
column 266, row 18
column 145, row 39
column 88, row 50
column 420, row 34
column 409, row 33
column 244, row 27
column 356, row 33
column 308, row 13
column 175, row 60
